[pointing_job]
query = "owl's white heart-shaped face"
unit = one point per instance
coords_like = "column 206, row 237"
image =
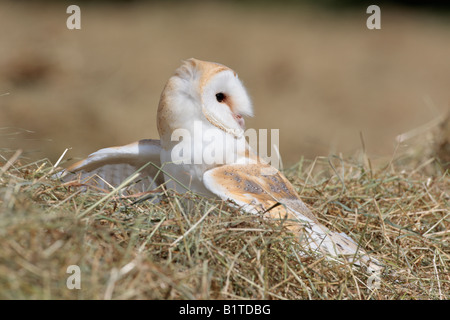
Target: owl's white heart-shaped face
column 207, row 92
column 225, row 102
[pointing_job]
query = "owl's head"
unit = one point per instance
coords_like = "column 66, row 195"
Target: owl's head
column 204, row 91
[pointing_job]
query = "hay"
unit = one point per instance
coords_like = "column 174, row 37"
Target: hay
column 201, row 249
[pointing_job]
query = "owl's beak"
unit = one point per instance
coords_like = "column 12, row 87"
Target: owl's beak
column 234, row 130
column 240, row 120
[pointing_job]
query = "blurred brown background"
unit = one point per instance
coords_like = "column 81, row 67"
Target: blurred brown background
column 317, row 74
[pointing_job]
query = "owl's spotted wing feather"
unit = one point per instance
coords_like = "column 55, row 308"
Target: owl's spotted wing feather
column 258, row 188
column 111, row 166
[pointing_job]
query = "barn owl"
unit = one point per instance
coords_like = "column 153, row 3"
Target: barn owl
column 202, row 107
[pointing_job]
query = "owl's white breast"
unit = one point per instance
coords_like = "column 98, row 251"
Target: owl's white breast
column 196, row 148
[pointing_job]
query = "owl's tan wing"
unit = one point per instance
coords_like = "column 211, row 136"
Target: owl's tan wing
column 258, row 188
column 111, row 166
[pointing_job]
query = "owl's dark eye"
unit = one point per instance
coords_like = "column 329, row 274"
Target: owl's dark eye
column 220, row 97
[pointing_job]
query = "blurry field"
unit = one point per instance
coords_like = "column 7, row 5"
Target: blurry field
column 339, row 93
column 320, row 77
